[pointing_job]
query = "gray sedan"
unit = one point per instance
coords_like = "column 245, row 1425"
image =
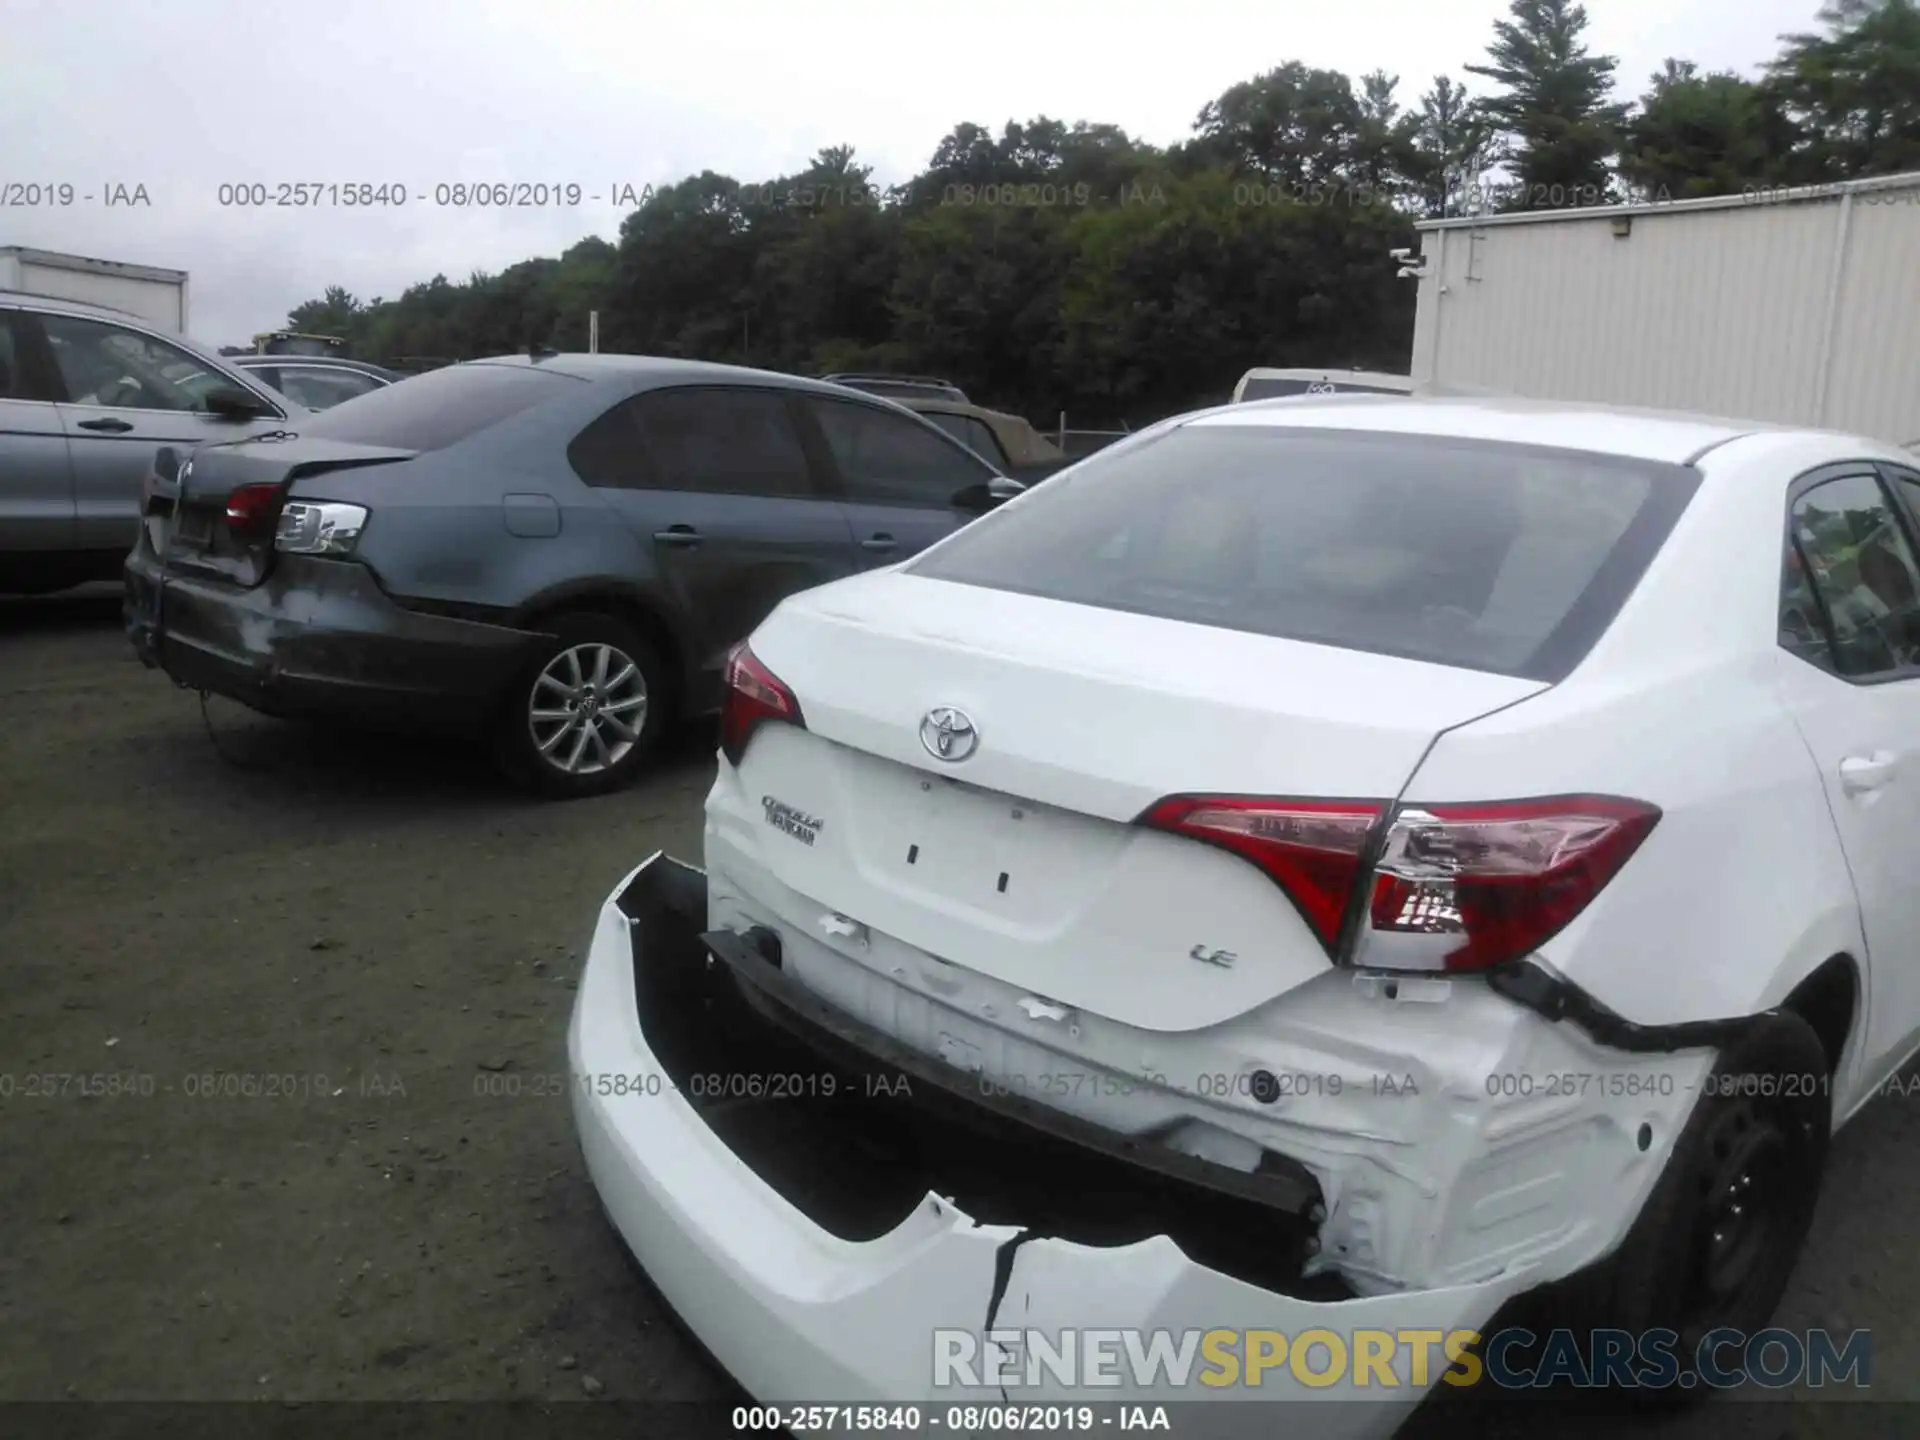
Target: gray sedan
column 558, row 552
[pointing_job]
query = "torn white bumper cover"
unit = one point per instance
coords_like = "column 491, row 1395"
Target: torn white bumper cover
column 806, row 1242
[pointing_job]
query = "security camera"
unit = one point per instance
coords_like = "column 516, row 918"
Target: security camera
column 1400, row 254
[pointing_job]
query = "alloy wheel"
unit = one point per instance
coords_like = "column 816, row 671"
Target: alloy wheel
column 587, row 709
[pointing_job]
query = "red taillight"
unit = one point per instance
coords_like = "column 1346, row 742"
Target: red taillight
column 1456, row 888
column 1312, row 848
column 1468, row 887
column 253, row 511
column 754, row 695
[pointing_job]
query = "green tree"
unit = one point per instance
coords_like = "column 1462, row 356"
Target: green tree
column 1551, row 108
column 1386, row 149
column 976, row 296
column 824, row 258
column 1166, row 305
column 581, row 286
column 1695, row 135
column 1294, row 124
column 1451, row 149
column 335, row 313
column 1052, row 266
column 1854, row 91
column 682, row 281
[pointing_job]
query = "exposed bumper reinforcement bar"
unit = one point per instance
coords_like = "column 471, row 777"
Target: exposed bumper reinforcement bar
column 1553, row 998
column 754, row 959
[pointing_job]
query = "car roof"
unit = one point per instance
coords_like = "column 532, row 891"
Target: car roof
column 337, row 362
column 1330, row 372
column 948, row 406
column 659, row 369
column 1671, row 436
column 889, row 377
column 897, row 385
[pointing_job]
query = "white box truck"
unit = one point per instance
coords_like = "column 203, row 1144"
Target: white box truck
column 1795, row 305
column 156, row 296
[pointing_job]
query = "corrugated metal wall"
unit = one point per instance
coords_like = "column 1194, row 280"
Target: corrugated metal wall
column 1724, row 311
column 1875, row 386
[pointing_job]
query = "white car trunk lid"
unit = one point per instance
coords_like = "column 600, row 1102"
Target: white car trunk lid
column 1022, row 860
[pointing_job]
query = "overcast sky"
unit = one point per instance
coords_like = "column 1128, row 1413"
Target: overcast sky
column 184, row 96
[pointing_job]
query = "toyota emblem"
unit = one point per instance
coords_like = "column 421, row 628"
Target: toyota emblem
column 948, row 734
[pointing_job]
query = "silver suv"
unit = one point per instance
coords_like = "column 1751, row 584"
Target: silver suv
column 87, row 395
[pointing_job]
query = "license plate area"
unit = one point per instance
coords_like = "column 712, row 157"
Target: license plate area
column 972, row 845
column 193, row 526
column 995, row 858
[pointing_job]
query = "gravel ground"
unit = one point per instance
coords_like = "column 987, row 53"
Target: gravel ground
column 372, row 931
column 368, row 932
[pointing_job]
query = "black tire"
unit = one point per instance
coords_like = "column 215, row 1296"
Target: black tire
column 518, row 735
column 1766, row 1115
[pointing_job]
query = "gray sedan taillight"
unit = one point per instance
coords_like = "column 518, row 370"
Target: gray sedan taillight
column 319, row 527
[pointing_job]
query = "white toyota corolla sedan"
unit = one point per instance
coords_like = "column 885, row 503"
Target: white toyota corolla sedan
column 1332, row 864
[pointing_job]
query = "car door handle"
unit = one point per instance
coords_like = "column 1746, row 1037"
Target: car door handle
column 1861, row 773
column 684, row 536
column 882, row 541
column 110, row 425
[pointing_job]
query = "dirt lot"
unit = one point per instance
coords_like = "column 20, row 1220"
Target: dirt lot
column 375, row 923
column 373, row 929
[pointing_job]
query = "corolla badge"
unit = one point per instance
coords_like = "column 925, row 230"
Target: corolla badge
column 948, row 734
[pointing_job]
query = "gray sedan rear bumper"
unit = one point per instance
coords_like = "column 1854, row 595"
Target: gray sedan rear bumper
column 319, row 638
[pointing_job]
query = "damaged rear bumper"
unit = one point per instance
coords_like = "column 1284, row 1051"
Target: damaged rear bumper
column 809, row 1281
column 318, row 638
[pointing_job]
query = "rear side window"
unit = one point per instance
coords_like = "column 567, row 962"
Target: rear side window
column 13, row 384
column 441, row 407
column 322, row 389
column 1490, row 557
column 983, row 441
column 1909, row 484
column 885, row 458
column 1850, row 600
column 954, row 425
column 970, row 432
column 1271, row 389
column 716, row 441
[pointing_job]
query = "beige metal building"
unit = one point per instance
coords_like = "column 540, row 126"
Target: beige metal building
column 1798, row 305
column 157, row 296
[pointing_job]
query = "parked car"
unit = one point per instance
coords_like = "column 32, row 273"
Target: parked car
column 318, row 382
column 555, row 550
column 1008, row 441
column 297, row 342
column 1262, row 383
column 87, row 394
column 899, row 387
column 1341, row 849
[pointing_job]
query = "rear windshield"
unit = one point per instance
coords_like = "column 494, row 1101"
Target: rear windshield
column 1501, row 558
column 439, row 408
